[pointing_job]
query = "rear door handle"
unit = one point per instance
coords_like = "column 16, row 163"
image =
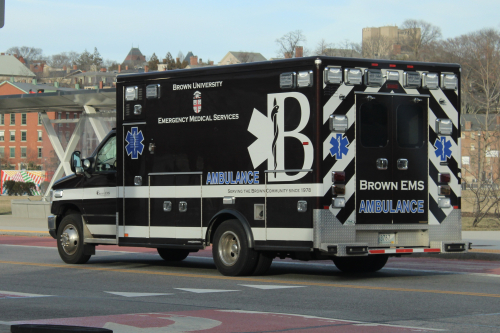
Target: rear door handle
column 382, row 164
column 402, row 164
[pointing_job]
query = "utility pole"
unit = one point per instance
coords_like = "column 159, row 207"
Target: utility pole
column 2, row 13
column 479, row 158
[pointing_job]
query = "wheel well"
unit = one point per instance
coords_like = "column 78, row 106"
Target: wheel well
column 65, row 210
column 223, row 216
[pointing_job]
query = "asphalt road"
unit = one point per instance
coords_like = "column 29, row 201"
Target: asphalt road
column 134, row 290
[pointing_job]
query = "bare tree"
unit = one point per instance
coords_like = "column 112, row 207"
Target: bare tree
column 323, row 48
column 29, row 53
column 345, row 48
column 180, row 55
column 63, row 59
column 111, row 65
column 377, row 47
column 288, row 42
column 416, row 35
column 479, row 55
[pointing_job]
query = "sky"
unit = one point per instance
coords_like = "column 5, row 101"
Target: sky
column 210, row 29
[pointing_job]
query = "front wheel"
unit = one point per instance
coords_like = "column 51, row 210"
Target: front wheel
column 172, row 255
column 231, row 251
column 70, row 240
column 368, row 264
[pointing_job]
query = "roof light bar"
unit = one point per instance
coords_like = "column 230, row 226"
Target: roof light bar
column 305, row 79
column 449, row 81
column 287, row 80
column 430, row 81
column 353, row 76
column 392, row 75
column 132, row 93
column 333, row 75
column 373, row 78
column 411, row 80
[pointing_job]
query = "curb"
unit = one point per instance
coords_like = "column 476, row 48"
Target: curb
column 489, row 256
column 34, row 233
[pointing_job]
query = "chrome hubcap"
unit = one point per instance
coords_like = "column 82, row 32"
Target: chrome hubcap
column 229, row 248
column 69, row 239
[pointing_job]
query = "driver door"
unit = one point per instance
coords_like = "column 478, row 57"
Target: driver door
column 99, row 191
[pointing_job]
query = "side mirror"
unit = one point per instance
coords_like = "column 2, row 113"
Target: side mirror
column 76, row 162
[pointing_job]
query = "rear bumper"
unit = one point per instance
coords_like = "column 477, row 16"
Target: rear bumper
column 51, row 223
column 362, row 249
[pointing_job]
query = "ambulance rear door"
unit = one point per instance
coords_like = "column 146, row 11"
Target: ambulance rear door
column 391, row 158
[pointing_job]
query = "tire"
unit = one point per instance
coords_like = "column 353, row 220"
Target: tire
column 263, row 263
column 70, row 240
column 231, row 251
column 367, row 264
column 172, row 255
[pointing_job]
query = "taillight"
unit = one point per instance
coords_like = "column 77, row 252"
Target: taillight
column 338, row 176
column 444, row 177
column 444, row 190
column 338, row 189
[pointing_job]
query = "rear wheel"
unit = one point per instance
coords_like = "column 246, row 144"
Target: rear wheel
column 231, row 251
column 172, row 255
column 367, row 264
column 70, row 240
column 263, row 263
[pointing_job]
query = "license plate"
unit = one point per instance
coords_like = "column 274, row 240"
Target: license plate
column 387, row 238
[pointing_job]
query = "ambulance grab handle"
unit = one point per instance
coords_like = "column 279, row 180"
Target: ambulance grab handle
column 382, row 164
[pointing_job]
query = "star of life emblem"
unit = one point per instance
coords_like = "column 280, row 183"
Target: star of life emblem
column 339, row 146
column 197, row 102
column 443, row 148
column 134, row 145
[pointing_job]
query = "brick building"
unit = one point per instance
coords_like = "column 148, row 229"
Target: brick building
column 480, row 148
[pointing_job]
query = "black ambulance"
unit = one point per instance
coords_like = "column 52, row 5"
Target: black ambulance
column 353, row 160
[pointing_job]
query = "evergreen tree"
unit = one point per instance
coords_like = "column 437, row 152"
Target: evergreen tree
column 153, row 62
column 84, row 61
column 170, row 61
column 96, row 59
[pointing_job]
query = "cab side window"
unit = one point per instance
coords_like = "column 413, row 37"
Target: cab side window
column 106, row 157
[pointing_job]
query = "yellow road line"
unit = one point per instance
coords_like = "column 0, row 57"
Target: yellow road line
column 247, row 279
column 27, row 231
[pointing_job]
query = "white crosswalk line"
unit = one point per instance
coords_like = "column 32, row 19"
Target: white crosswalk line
column 129, row 294
column 203, row 291
column 268, row 287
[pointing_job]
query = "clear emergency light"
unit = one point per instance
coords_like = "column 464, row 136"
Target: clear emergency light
column 373, row 78
column 444, row 126
column 338, row 123
column 333, row 75
column 287, row 80
column 411, row 80
column 353, row 76
column 132, row 93
column 392, row 76
column 449, row 81
column 305, row 79
column 430, row 81
column 153, row 91
column 338, row 202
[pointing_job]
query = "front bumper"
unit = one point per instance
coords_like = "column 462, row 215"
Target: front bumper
column 51, row 222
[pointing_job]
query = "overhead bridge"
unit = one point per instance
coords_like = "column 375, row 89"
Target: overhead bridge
column 91, row 103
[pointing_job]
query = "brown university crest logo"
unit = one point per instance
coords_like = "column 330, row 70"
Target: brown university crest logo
column 197, row 102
